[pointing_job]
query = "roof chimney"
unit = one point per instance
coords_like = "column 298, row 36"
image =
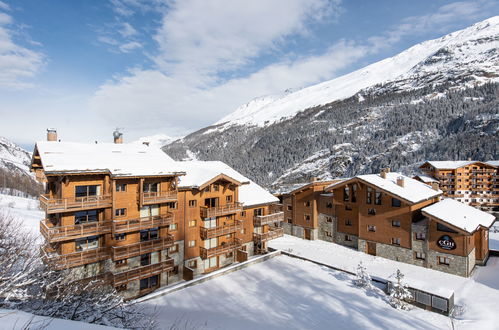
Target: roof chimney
column 51, row 134
column 434, row 186
column 118, row 136
column 383, row 173
column 401, row 181
column 313, row 179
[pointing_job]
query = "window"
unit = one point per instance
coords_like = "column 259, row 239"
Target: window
column 396, row 202
column 149, row 282
column 243, row 214
column 174, row 248
column 346, row 194
column 122, row 287
column 172, row 205
column 420, row 255
column 290, row 220
column 257, row 212
column 395, row 223
column 228, row 199
column 207, row 189
column 348, row 208
column 328, row 234
column 396, row 241
column 192, row 243
column 120, row 212
column 329, row 219
column 121, row 263
column 307, row 204
column 369, row 195
column 307, row 217
column 441, row 227
column 149, row 210
column 192, row 223
column 145, row 259
column 354, row 193
column 377, row 200
column 371, row 211
column 85, row 217
column 121, row 187
column 119, row 237
column 216, row 187
column 87, row 243
column 84, row 191
column 348, row 238
column 150, row 187
column 192, row 264
column 290, row 208
column 193, row 203
column 348, row 222
column 371, row 228
column 148, row 234
column 420, row 236
column 329, row 205
column 173, row 227
column 443, row 261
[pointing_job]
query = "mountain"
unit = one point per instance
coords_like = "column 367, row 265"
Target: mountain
column 435, row 100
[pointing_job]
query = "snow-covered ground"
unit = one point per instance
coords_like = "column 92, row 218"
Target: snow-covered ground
column 24, row 209
column 476, row 293
column 17, row 320
column 494, row 237
column 286, row 293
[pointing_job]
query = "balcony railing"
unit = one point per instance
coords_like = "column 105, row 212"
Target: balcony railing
column 216, row 211
column 143, row 272
column 65, row 233
column 207, row 233
column 51, row 205
column 261, row 220
column 159, row 197
column 222, row 249
column 63, row 261
column 136, row 249
column 123, row 226
column 271, row 234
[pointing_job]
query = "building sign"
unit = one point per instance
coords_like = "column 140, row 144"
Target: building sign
column 446, row 243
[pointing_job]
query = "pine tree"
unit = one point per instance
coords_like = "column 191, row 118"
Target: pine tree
column 363, row 279
column 400, row 293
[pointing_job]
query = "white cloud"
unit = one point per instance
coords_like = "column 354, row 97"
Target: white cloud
column 4, row 6
column 127, row 30
column 129, row 46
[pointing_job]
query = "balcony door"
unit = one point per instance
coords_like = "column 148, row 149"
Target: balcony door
column 211, row 243
column 211, row 202
column 150, row 187
column 85, row 191
column 149, row 211
column 87, row 243
column 210, row 223
column 211, row 263
column 86, row 217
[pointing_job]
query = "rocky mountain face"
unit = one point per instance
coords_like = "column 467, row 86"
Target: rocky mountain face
column 436, row 100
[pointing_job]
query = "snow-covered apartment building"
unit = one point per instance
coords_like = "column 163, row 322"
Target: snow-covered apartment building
column 474, row 183
column 396, row 217
column 133, row 216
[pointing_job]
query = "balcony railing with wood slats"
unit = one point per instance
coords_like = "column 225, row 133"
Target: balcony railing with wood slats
column 143, row 272
column 52, row 205
column 127, row 225
column 216, row 211
column 222, row 249
column 263, row 237
column 159, row 197
column 63, row 261
column 65, row 233
column 207, row 233
column 136, row 249
column 261, row 220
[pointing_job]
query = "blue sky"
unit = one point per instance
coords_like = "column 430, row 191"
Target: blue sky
column 171, row 67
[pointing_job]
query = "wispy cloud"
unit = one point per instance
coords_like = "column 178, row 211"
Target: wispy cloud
column 4, row 6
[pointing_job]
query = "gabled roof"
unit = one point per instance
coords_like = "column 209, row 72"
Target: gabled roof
column 314, row 183
column 454, row 164
column 459, row 215
column 201, row 173
column 117, row 159
column 412, row 192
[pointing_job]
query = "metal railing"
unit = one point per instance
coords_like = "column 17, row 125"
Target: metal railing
column 159, row 197
column 271, row 234
column 143, row 272
column 261, row 220
column 64, row 233
column 136, row 249
column 207, row 233
column 126, row 225
column 221, row 249
column 52, row 205
column 210, row 212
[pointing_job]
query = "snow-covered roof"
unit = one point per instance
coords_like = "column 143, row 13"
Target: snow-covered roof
column 493, row 163
column 413, row 191
column 459, row 215
column 201, row 172
column 426, row 178
column 115, row 158
column 453, row 164
column 315, row 183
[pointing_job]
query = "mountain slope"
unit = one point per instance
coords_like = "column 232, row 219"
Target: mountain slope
column 438, row 99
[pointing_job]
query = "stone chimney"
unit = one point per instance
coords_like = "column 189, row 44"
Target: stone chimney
column 401, row 181
column 118, row 137
column 383, row 173
column 435, row 186
column 51, row 134
column 313, row 179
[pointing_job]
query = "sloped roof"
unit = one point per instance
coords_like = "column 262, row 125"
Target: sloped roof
column 201, row 172
column 454, row 164
column 116, row 159
column 459, row 215
column 413, row 191
column 493, row 163
column 426, row 178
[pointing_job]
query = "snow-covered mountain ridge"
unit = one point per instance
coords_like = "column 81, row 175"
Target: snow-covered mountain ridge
column 470, row 54
column 13, row 157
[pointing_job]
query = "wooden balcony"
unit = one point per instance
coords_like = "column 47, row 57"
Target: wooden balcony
column 207, row 233
column 158, row 197
column 65, row 233
column 216, row 211
column 261, row 220
column 222, row 249
column 63, row 261
column 51, row 205
column 143, row 272
column 271, row 234
column 136, row 249
column 127, row 225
